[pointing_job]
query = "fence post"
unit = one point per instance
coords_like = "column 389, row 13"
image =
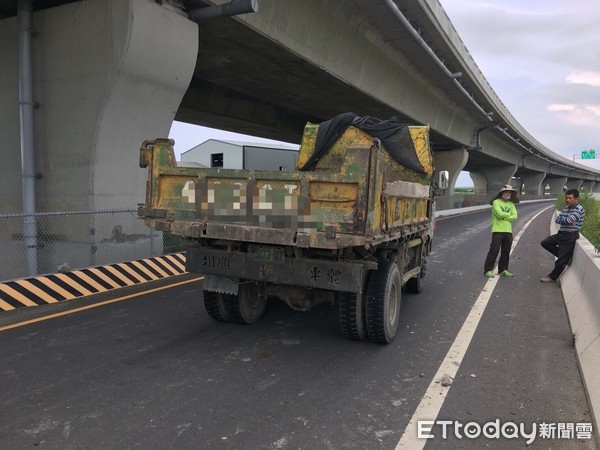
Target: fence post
column 151, row 230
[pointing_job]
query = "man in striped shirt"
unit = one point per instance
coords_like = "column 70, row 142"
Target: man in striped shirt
column 562, row 244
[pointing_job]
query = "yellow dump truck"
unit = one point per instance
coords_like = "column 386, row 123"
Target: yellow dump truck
column 352, row 224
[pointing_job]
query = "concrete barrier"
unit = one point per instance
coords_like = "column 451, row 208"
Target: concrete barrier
column 469, row 209
column 580, row 284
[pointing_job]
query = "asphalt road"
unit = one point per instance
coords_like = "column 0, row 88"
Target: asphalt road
column 155, row 372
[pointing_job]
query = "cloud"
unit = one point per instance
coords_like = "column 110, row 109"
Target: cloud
column 582, row 77
column 561, row 107
column 541, row 58
column 578, row 115
column 594, row 109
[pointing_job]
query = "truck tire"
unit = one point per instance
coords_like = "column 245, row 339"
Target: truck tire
column 384, row 295
column 415, row 285
column 214, row 303
column 352, row 316
column 248, row 306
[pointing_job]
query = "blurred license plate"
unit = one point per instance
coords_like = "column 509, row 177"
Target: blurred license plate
column 271, row 254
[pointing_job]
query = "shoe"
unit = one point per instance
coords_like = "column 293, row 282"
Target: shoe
column 505, row 273
column 547, row 279
column 489, row 274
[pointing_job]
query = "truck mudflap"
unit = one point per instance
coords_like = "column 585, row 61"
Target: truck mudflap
column 276, row 268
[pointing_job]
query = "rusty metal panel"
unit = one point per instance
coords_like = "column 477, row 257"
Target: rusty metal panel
column 420, row 137
column 334, row 203
column 310, row 273
column 404, row 210
column 167, row 185
column 373, row 208
column 338, row 157
column 307, row 146
column 299, row 201
column 341, row 203
column 273, row 203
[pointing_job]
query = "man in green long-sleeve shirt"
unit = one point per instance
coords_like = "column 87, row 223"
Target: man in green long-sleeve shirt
column 503, row 214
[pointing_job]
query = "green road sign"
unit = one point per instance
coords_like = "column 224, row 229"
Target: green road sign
column 588, row 154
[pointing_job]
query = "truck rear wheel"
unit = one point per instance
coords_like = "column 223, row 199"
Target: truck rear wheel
column 383, row 302
column 248, row 306
column 214, row 303
column 415, row 284
column 352, row 315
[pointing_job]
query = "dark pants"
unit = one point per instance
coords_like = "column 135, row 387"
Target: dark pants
column 501, row 242
column 560, row 245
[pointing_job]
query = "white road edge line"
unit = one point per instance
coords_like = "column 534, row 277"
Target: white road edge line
column 434, row 397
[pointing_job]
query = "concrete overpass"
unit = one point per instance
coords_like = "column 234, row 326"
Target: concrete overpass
column 108, row 74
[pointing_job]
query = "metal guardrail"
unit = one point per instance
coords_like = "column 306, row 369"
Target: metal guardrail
column 78, row 239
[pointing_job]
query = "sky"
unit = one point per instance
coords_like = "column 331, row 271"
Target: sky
column 188, row 136
column 541, row 57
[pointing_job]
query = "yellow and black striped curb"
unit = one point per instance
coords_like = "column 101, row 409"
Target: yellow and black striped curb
column 79, row 283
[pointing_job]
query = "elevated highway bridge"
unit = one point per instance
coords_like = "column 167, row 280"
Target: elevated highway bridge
column 84, row 83
column 107, row 75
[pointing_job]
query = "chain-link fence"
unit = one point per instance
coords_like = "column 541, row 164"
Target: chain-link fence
column 64, row 241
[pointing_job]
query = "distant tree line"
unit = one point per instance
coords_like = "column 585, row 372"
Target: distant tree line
column 464, row 190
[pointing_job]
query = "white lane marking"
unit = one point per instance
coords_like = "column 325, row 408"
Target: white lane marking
column 434, row 397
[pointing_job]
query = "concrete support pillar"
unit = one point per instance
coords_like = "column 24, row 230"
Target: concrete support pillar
column 454, row 162
column 479, row 183
column 533, row 183
column 108, row 74
column 588, row 185
column 517, row 183
column 489, row 179
column 574, row 183
column 556, row 185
